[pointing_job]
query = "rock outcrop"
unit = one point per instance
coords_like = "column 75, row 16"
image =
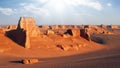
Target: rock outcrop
column 50, row 32
column 30, row 61
column 73, row 32
column 28, row 24
column 85, row 34
column 54, row 27
column 26, row 29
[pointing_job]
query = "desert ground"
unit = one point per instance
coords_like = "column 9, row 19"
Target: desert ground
column 65, row 47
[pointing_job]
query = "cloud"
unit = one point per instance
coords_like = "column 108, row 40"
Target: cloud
column 31, row 8
column 109, row 4
column 88, row 3
column 7, row 11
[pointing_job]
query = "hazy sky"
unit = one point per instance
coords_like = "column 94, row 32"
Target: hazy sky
column 61, row 11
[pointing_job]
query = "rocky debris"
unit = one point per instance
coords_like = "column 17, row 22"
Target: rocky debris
column 85, row 34
column 64, row 47
column 50, row 32
column 73, row 32
column 30, row 61
column 68, row 47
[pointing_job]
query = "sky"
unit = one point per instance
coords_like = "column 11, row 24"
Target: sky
column 61, row 12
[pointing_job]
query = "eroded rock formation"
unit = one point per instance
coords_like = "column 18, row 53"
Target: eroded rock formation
column 28, row 24
column 85, row 34
column 30, row 61
column 73, row 32
column 26, row 29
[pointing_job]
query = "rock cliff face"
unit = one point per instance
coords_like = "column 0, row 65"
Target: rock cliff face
column 26, row 28
column 28, row 24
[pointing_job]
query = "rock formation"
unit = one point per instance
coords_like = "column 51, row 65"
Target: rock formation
column 30, row 61
column 85, row 34
column 73, row 32
column 50, row 32
column 28, row 24
column 45, row 27
column 53, row 27
column 26, row 29
column 113, row 27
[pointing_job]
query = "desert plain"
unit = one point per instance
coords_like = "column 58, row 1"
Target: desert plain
column 59, row 46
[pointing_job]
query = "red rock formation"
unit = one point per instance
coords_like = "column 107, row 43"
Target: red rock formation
column 12, row 27
column 28, row 24
column 26, row 29
column 54, row 27
column 50, row 32
column 30, row 61
column 113, row 26
column 85, row 34
column 45, row 27
column 73, row 32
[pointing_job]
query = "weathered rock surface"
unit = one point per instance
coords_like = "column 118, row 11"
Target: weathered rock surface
column 28, row 24
column 30, row 61
column 26, row 29
column 85, row 34
column 73, row 32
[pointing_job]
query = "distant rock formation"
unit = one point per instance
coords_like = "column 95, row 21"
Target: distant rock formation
column 113, row 26
column 85, row 34
column 53, row 27
column 50, row 32
column 11, row 27
column 73, row 32
column 78, row 33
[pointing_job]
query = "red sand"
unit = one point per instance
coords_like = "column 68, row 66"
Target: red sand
column 95, row 56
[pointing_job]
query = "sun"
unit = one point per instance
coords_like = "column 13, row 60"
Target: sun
column 55, row 5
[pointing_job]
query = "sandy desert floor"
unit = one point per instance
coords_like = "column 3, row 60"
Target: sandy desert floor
column 106, row 55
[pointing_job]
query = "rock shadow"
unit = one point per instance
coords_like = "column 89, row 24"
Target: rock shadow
column 97, row 39
column 18, row 61
column 17, row 36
